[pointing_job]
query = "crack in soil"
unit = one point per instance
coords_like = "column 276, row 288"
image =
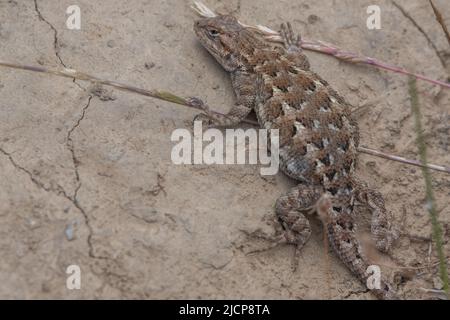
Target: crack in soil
column 60, row 190
column 55, row 33
column 55, row 39
column 76, row 162
column 70, row 143
column 39, row 184
column 421, row 30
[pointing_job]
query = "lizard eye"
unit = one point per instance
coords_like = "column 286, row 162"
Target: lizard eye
column 213, row 33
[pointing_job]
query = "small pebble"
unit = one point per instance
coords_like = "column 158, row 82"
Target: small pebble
column 169, row 25
column 313, row 19
column 33, row 224
column 70, row 232
column 46, row 287
column 149, row 65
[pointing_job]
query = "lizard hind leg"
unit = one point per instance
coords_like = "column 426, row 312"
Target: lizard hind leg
column 382, row 231
column 288, row 209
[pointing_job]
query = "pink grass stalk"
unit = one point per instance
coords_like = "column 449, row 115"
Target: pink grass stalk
column 326, row 48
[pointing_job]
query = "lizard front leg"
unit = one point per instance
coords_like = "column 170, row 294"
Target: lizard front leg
column 214, row 119
column 292, row 45
column 244, row 87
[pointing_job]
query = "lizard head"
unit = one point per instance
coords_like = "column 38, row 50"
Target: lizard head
column 220, row 36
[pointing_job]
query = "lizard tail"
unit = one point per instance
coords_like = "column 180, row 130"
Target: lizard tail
column 348, row 249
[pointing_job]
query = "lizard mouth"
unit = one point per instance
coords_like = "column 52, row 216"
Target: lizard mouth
column 199, row 27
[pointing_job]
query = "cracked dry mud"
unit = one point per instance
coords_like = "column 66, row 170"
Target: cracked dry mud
column 86, row 177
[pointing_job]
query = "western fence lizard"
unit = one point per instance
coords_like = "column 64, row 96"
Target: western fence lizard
column 318, row 138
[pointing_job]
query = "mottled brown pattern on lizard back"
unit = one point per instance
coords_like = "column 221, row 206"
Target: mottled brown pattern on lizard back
column 313, row 120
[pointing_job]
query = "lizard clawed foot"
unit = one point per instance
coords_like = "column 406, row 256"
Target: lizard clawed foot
column 291, row 42
column 299, row 241
column 205, row 117
column 274, row 239
column 214, row 119
column 197, row 103
column 386, row 239
column 286, row 237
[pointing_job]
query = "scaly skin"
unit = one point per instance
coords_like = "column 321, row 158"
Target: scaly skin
column 318, row 137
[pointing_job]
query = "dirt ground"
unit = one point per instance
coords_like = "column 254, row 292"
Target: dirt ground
column 86, row 177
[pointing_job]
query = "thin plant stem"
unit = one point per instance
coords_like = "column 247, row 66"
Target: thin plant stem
column 431, row 203
column 74, row 74
column 170, row 97
column 326, row 48
column 416, row 163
